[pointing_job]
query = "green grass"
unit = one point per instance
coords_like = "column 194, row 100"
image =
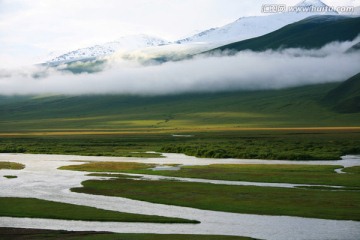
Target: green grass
column 263, row 144
column 293, row 107
column 329, row 188
column 300, row 174
column 237, row 124
column 37, row 208
column 279, row 173
column 344, row 205
column 10, row 176
column 286, row 145
column 354, row 170
column 224, row 125
column 11, row 165
column 21, row 233
column 346, row 97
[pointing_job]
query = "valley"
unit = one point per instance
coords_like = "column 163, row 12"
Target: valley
column 132, row 120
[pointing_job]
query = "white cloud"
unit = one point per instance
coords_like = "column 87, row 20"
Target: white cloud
column 245, row 70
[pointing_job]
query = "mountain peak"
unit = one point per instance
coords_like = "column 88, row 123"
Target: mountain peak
column 315, row 3
column 315, row 7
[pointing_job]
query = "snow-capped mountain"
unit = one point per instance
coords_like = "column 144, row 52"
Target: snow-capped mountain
column 250, row 27
column 241, row 29
column 126, row 43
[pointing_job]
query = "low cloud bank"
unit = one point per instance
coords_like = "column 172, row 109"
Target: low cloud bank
column 244, row 71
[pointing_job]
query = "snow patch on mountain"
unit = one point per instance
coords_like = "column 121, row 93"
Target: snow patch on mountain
column 127, row 43
column 250, row 27
column 356, row 10
column 311, row 3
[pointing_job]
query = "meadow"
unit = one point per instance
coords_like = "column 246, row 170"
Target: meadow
column 37, row 208
column 295, row 123
column 21, row 233
column 340, row 205
column 316, row 202
column 275, row 173
column 292, row 144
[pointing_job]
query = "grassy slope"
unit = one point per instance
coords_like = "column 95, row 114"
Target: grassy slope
column 139, row 124
column 21, row 233
column 346, row 97
column 36, row 208
column 239, row 199
column 313, row 32
column 302, row 174
column 295, row 107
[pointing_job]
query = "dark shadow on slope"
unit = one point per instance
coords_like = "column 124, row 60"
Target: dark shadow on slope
column 345, row 98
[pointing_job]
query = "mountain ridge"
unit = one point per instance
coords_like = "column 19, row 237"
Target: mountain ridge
column 241, row 29
column 254, row 26
column 310, row 33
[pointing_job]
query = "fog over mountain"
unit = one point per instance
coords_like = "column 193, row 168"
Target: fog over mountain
column 246, row 70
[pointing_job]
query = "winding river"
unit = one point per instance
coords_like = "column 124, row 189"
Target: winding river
column 41, row 179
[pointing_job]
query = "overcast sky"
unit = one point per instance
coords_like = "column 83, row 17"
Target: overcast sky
column 31, row 29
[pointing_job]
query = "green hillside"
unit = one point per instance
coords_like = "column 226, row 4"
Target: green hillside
column 294, row 107
column 346, row 97
column 234, row 124
column 312, row 32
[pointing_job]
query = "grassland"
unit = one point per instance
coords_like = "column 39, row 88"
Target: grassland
column 300, row 174
column 345, row 98
column 11, row 165
column 342, row 205
column 354, row 170
column 293, row 144
column 295, row 123
column 21, row 233
column 301, row 145
column 287, row 108
column 37, row 208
